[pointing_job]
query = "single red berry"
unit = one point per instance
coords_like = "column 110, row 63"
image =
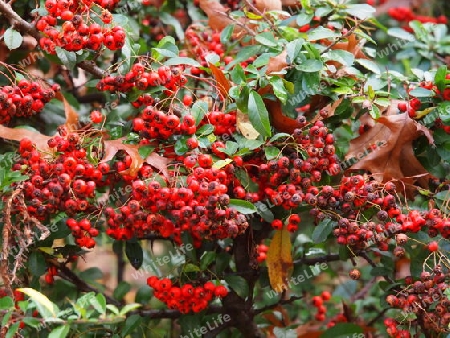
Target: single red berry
column 96, row 116
column 433, row 246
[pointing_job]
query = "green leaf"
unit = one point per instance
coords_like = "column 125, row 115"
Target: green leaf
column 360, row 11
column 277, row 136
column 266, row 39
column 6, row 303
column 258, row 114
column 400, row 33
column 45, row 307
column 143, row 295
column 99, row 303
column 207, row 259
column 134, row 253
column 68, row 59
column 36, row 263
column 310, row 66
column 121, row 290
column 264, row 211
column 439, row 78
column 271, row 152
column 370, row 65
column 13, row 330
column 375, row 113
column 322, row 230
column 279, row 89
column 182, row 60
column 131, row 324
column 60, row 331
column 294, row 48
column 168, row 19
column 222, row 262
column 128, row 308
column 222, row 163
column 304, row 18
column 13, row 39
column 204, row 130
column 421, row 92
column 238, row 284
column 181, row 146
column 342, row 330
column 33, row 322
column 225, row 35
column 199, row 110
column 341, row 56
column 321, row 33
column 244, row 207
column 145, row 151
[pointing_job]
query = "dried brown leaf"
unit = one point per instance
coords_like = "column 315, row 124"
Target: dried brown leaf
column 245, row 126
column 17, row 134
column 155, row 160
column 222, row 82
column 71, row 115
column 217, row 14
column 395, row 158
column 268, row 5
column 279, row 260
column 277, row 63
column 113, row 146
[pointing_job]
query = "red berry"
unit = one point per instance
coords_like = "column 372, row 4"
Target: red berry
column 96, row 116
column 433, row 246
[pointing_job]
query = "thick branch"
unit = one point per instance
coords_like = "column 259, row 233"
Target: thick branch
column 81, row 285
column 22, row 26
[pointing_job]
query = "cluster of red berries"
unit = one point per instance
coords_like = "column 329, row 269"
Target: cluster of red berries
column 414, row 104
column 201, row 43
column 201, row 208
column 293, row 222
column 83, row 232
column 224, row 123
column 76, row 34
column 66, row 182
column 425, row 298
column 156, row 124
column 317, row 301
column 405, row 15
column 24, row 99
column 261, row 250
column 141, row 78
column 186, row 298
column 49, row 277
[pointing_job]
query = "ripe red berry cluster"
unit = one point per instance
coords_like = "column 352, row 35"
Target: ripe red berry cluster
column 66, row 182
column 224, row 123
column 425, row 298
column 317, row 301
column 79, row 31
column 186, row 298
column 292, row 223
column 52, row 271
column 200, row 208
column 414, row 104
column 24, row 99
column 405, row 15
column 393, row 331
column 83, row 232
column 156, row 124
column 261, row 249
column 202, row 42
column 141, row 78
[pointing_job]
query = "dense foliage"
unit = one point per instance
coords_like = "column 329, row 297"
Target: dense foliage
column 274, row 168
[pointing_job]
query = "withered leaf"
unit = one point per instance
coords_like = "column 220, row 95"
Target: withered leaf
column 17, row 134
column 222, row 82
column 155, row 160
column 268, row 5
column 277, row 63
column 245, row 127
column 70, row 113
column 279, row 260
column 394, row 157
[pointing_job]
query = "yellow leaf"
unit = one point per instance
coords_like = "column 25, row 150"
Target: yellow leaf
column 245, row 126
column 279, row 260
column 45, row 306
